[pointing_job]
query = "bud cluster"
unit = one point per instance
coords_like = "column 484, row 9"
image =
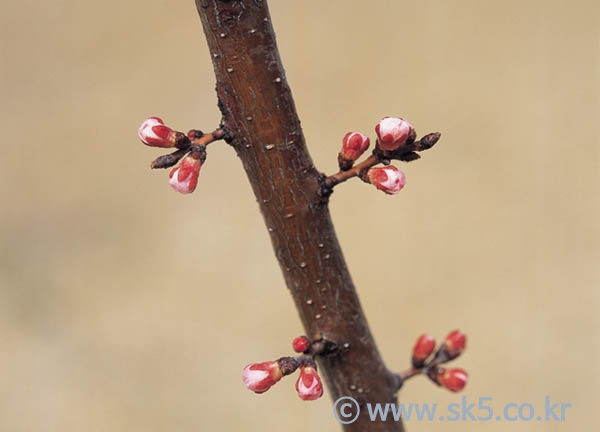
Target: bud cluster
column 425, row 361
column 396, row 139
column 260, row 377
column 190, row 151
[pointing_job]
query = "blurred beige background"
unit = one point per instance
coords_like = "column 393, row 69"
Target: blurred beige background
column 127, row 307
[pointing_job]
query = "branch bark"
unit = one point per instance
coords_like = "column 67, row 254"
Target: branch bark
column 260, row 116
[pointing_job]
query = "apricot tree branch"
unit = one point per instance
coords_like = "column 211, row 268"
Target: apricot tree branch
column 259, row 121
column 259, row 113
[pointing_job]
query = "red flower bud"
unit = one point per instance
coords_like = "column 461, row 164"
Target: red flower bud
column 455, row 343
column 354, row 145
column 154, row 133
column 301, row 344
column 184, row 177
column 388, row 179
column 309, row 385
column 422, row 349
column 260, row 377
column 453, row 379
column 393, row 132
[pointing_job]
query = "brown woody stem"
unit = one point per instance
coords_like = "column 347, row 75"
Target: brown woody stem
column 355, row 171
column 263, row 127
column 205, row 139
column 168, row 160
column 403, row 376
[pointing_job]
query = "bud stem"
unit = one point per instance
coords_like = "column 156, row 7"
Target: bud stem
column 203, row 140
column 169, row 160
column 206, row 139
column 403, row 376
column 355, row 171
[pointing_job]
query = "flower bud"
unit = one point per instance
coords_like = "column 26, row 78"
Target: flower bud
column 393, row 133
column 309, row 385
column 422, row 349
column 429, row 140
column 354, row 145
column 452, row 379
column 388, row 179
column 260, row 377
column 184, row 177
column 301, row 344
column 455, row 343
column 154, row 133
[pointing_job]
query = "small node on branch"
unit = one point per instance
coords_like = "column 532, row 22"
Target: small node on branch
column 453, row 346
column 325, row 187
column 195, row 134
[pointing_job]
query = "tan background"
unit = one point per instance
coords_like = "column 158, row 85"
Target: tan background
column 127, row 307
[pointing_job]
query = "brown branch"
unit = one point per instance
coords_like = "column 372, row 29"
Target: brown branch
column 403, row 376
column 202, row 139
column 260, row 116
column 355, row 171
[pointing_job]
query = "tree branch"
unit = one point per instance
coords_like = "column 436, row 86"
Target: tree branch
column 260, row 117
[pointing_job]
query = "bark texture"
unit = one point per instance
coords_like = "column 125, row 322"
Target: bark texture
column 259, row 113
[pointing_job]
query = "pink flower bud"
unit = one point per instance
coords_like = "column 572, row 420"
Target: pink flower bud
column 422, row 349
column 309, row 385
column 260, row 377
column 301, row 344
column 354, row 145
column 388, row 179
column 393, row 132
column 154, row 133
column 184, row 177
column 455, row 342
column 453, row 379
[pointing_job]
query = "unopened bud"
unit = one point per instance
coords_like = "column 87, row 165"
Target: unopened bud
column 429, row 140
column 260, row 377
column 309, row 386
column 455, row 343
column 354, row 145
column 452, row 379
column 184, row 177
column 301, row 344
column 393, row 133
column 422, row 349
column 154, row 133
column 388, row 179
